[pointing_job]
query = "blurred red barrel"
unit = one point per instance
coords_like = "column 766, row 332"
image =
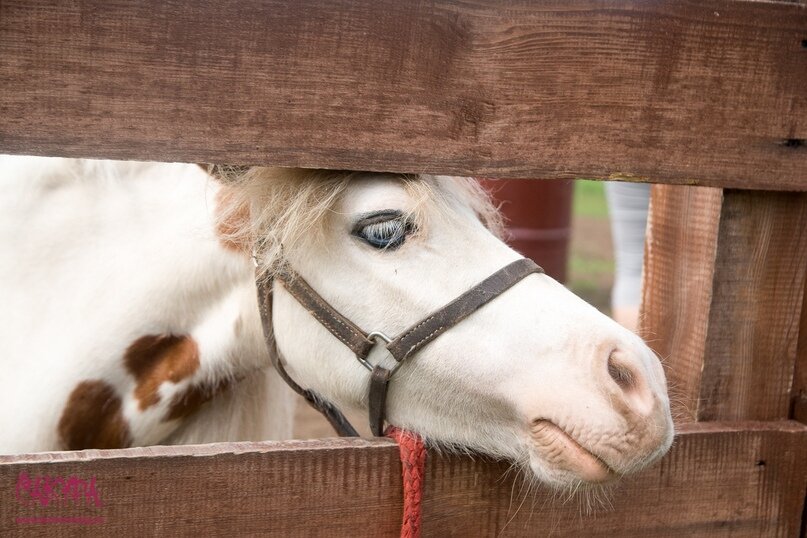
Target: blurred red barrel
column 538, row 217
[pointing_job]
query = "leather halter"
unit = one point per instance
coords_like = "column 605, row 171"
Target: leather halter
column 361, row 343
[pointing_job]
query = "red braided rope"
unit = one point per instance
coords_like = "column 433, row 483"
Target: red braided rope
column 413, row 462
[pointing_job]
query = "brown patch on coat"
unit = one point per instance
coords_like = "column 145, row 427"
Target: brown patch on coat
column 231, row 216
column 155, row 359
column 194, row 397
column 93, row 418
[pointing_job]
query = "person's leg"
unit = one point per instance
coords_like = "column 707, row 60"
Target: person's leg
column 627, row 204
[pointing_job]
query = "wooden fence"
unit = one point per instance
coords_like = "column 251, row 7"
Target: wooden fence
column 706, row 97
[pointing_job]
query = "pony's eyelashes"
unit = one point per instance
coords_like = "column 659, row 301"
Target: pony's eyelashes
column 384, row 230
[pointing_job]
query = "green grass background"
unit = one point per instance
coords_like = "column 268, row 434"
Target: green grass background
column 589, row 199
column 591, row 263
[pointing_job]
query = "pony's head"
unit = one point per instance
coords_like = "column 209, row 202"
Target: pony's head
column 537, row 376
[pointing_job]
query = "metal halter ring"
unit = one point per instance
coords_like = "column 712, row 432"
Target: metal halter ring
column 378, row 337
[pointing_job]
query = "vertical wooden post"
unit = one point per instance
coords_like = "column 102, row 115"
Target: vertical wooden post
column 798, row 394
column 723, row 293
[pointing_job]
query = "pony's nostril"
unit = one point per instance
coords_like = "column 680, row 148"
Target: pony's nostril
column 622, row 375
column 631, row 382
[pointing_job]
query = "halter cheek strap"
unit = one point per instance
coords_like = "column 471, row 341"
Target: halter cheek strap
column 334, row 417
column 400, row 348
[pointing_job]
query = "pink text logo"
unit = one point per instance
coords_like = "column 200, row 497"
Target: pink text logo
column 43, row 492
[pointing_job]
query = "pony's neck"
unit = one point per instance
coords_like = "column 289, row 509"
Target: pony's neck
column 259, row 407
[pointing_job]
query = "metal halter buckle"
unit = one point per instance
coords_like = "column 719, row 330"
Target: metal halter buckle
column 380, row 339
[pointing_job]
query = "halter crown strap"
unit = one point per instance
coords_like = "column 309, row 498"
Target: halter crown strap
column 401, row 347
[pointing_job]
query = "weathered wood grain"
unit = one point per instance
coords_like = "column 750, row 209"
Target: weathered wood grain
column 756, row 306
column 798, row 394
column 304, row 488
column 744, row 479
column 702, row 488
column 680, row 249
column 724, row 285
column 707, row 92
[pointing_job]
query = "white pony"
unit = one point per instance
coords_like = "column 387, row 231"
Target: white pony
column 129, row 317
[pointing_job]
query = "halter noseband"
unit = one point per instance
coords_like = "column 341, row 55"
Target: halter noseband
column 361, row 344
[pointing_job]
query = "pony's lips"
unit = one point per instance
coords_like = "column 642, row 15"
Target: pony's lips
column 560, row 449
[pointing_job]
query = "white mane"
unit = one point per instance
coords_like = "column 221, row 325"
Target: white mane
column 289, row 208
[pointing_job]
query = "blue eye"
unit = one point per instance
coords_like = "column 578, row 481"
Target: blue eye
column 389, row 233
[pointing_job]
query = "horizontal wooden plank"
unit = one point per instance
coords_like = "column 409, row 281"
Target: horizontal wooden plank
column 302, row 488
column 720, row 479
column 707, row 92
